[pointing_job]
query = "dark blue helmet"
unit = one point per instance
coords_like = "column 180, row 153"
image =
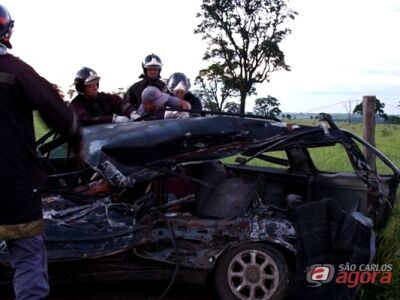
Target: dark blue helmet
column 85, row 76
column 6, row 26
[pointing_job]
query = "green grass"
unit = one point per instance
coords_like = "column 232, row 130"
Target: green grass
column 40, row 126
column 335, row 159
column 387, row 140
column 388, row 253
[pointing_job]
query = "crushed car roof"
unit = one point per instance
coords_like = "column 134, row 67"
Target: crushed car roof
column 127, row 150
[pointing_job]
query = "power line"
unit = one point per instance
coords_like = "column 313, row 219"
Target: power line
column 392, row 106
column 320, row 108
column 331, row 105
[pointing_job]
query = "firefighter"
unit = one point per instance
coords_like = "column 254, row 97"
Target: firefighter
column 22, row 90
column 151, row 66
column 93, row 107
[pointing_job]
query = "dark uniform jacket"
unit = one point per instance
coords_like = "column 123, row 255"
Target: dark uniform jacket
column 195, row 103
column 134, row 93
column 22, row 90
column 100, row 110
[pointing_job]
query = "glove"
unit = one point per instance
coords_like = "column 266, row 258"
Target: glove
column 134, row 115
column 120, row 119
column 176, row 115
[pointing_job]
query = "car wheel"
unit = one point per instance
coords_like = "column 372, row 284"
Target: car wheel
column 251, row 271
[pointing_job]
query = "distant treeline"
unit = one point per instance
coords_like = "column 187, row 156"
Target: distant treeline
column 341, row 117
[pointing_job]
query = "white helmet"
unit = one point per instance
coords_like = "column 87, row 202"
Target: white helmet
column 178, row 81
column 152, row 61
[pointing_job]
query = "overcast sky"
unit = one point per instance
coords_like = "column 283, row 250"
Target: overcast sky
column 339, row 50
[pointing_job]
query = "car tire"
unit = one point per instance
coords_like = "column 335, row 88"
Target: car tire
column 251, row 271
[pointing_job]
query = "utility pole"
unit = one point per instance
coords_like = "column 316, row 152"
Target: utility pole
column 369, row 103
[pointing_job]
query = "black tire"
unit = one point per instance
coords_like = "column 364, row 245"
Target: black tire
column 251, row 271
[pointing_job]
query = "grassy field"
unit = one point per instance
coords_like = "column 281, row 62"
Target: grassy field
column 40, row 127
column 388, row 142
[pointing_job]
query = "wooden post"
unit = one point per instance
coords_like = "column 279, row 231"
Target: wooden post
column 369, row 127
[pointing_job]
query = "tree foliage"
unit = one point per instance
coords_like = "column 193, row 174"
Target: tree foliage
column 379, row 109
column 71, row 93
column 214, row 88
column 393, row 120
column 243, row 40
column 232, row 107
column 268, row 107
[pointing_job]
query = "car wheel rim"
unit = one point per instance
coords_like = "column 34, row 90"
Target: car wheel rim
column 252, row 274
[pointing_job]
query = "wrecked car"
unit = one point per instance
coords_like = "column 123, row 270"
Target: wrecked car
column 238, row 201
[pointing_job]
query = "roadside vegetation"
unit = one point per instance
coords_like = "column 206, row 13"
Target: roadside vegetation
column 386, row 138
column 388, row 142
column 388, row 253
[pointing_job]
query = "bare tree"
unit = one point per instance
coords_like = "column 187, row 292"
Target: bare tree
column 349, row 108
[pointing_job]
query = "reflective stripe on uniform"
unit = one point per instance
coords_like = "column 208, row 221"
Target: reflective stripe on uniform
column 16, row 231
column 7, row 78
